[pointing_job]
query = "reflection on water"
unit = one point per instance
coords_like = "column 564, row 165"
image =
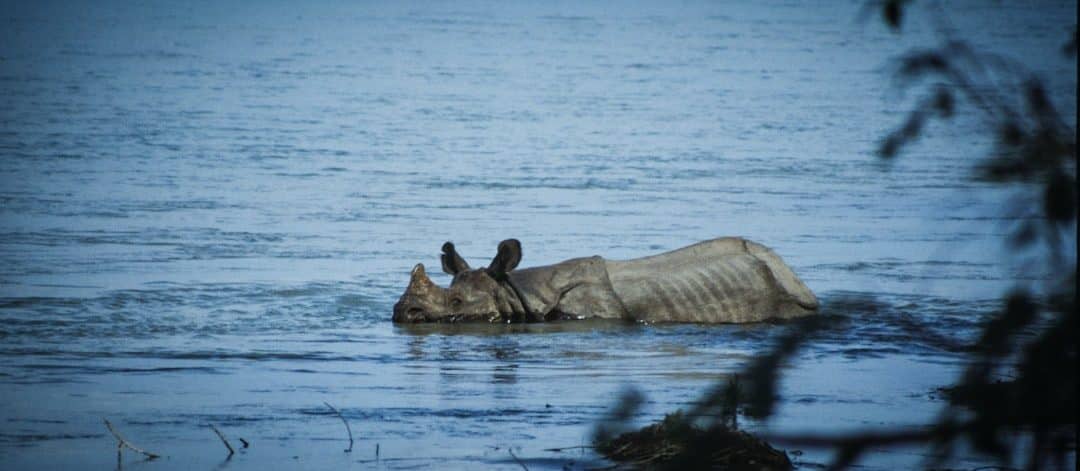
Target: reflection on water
column 208, row 210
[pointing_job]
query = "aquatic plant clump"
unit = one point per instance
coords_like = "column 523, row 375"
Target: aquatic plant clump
column 676, row 443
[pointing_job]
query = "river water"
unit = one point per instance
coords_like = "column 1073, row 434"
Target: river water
column 207, row 210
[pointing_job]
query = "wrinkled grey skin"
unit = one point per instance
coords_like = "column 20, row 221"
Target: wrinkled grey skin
column 725, row 280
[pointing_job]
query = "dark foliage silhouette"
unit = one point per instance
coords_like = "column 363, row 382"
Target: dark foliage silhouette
column 1017, row 393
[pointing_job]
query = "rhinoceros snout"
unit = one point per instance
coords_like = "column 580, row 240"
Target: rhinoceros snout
column 409, row 314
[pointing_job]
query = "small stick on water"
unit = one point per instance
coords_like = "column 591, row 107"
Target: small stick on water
column 558, row 450
column 346, row 422
column 244, row 442
column 512, row 455
column 223, row 440
column 376, row 452
column 121, row 443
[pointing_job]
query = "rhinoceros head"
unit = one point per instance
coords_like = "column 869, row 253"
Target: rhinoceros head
column 474, row 295
column 423, row 300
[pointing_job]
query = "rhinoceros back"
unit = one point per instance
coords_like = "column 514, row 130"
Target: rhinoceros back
column 721, row 280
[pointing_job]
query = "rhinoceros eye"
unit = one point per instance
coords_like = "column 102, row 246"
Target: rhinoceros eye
column 455, row 303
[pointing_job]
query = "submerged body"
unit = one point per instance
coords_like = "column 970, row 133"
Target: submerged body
column 725, row 280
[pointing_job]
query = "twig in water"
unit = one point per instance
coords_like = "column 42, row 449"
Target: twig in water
column 121, row 443
column 512, row 455
column 561, row 449
column 347, row 428
column 244, row 442
column 223, row 440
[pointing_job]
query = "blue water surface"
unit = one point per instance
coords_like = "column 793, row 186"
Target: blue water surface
column 207, row 210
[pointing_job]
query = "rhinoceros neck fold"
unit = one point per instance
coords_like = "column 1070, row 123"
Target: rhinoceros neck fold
column 578, row 287
column 512, row 305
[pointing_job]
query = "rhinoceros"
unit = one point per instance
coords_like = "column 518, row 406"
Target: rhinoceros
column 724, row 280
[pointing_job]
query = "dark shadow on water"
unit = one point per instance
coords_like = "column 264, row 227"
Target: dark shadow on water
column 860, row 325
column 488, row 329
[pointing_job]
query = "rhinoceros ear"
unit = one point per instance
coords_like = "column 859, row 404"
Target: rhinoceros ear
column 508, row 257
column 452, row 263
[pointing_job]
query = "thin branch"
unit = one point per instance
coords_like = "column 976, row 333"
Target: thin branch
column 124, row 443
column 516, row 459
column 347, row 428
column 561, row 449
column 223, row 440
column 988, row 100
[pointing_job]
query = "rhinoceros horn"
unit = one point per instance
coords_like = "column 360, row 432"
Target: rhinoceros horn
column 419, row 279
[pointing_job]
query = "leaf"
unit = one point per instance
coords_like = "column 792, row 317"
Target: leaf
column 1024, row 235
column 893, row 13
column 618, row 419
column 889, row 147
column 1059, row 198
column 944, row 102
column 922, row 62
column 1019, row 312
column 1011, row 134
